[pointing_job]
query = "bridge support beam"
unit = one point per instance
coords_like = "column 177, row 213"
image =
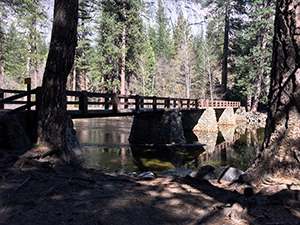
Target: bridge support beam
column 163, row 127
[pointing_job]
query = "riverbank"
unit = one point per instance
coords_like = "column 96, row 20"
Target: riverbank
column 36, row 193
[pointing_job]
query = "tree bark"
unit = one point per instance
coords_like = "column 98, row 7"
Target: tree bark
column 225, row 49
column 257, row 93
column 52, row 115
column 33, row 63
column 2, row 74
column 123, row 63
column 259, row 77
column 281, row 150
column 249, row 102
column 80, row 79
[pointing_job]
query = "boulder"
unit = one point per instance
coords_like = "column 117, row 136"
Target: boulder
column 148, row 175
column 230, row 174
column 205, row 172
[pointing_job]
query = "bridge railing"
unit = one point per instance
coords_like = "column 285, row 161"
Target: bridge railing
column 88, row 101
column 17, row 97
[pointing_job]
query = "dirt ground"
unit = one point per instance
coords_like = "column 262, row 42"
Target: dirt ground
column 41, row 195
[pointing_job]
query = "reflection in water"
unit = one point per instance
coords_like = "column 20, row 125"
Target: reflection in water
column 105, row 146
column 165, row 158
column 228, row 133
column 209, row 139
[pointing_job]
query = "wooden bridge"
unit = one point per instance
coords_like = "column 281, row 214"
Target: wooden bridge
column 83, row 104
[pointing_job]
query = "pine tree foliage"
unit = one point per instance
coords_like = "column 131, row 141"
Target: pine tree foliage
column 79, row 78
column 25, row 45
column 253, row 61
column 115, row 18
column 163, row 42
column 15, row 54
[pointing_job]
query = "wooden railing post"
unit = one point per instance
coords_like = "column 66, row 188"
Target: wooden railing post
column 154, row 103
column 196, row 104
column 174, row 103
column 125, row 102
column 167, row 103
column 180, row 103
column 188, row 103
column 1, row 98
column 115, row 102
column 106, row 103
column 137, row 102
column 83, row 102
column 141, row 102
column 27, row 81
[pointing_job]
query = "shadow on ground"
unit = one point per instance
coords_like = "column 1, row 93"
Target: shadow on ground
column 43, row 195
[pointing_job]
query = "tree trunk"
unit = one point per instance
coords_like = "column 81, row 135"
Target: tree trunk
column 249, row 102
column 259, row 77
column 257, row 93
column 32, row 61
column 1, row 57
column 2, row 85
column 281, row 152
column 52, row 115
column 80, row 79
column 123, row 63
column 225, row 50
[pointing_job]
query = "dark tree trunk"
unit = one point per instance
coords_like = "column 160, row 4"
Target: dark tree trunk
column 1, row 71
column 225, row 50
column 281, row 152
column 52, row 115
column 1, row 57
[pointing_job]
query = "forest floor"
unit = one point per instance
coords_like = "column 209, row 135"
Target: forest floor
column 42, row 195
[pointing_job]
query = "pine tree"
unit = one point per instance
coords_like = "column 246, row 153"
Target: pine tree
column 119, row 44
column 183, row 62
column 135, row 43
column 147, row 70
column 224, row 15
column 253, row 61
column 105, row 62
column 82, row 65
column 206, row 67
column 32, row 19
column 163, row 43
column 15, row 55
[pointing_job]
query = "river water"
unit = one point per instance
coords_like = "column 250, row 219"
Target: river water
column 105, row 146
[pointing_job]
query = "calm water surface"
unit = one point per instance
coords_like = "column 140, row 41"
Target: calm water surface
column 105, row 146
